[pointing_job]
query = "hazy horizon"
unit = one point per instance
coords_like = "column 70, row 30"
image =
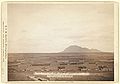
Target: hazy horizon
column 50, row 28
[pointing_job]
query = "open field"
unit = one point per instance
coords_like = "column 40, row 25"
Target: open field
column 97, row 66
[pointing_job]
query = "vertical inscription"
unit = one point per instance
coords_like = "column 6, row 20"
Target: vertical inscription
column 4, row 48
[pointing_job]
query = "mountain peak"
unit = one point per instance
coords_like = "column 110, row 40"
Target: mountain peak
column 78, row 49
column 74, row 46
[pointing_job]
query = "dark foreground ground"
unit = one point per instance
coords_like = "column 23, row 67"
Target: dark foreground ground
column 23, row 66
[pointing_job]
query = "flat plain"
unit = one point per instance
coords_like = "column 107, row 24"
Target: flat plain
column 93, row 66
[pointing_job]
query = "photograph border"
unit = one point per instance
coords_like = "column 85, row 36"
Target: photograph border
column 4, row 44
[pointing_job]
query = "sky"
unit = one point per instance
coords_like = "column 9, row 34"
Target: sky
column 50, row 28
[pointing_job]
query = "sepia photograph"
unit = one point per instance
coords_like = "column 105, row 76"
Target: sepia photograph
column 63, row 41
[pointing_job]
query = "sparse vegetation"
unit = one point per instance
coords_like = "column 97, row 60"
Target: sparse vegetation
column 95, row 63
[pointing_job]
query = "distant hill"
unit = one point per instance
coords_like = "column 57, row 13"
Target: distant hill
column 78, row 49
